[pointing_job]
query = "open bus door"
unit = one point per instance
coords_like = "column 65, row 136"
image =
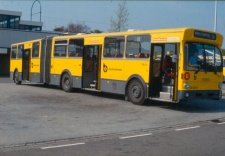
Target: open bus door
column 163, row 73
column 91, row 67
column 26, row 62
column 156, row 69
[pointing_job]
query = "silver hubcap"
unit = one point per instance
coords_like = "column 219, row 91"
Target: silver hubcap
column 136, row 91
column 67, row 82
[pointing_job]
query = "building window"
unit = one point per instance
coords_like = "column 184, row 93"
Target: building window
column 14, row 22
column 24, row 27
column 3, row 21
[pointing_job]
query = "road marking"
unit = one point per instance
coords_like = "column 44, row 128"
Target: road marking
column 135, row 136
column 67, row 145
column 181, row 129
column 221, row 123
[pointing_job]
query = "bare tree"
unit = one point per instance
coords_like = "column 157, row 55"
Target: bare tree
column 78, row 28
column 60, row 29
column 121, row 21
column 96, row 31
column 74, row 28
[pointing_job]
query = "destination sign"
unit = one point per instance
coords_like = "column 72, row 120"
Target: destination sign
column 205, row 35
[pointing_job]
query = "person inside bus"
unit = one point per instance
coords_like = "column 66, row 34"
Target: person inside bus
column 193, row 60
column 168, row 69
column 167, row 62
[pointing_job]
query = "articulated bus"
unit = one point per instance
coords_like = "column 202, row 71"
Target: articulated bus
column 224, row 69
column 140, row 64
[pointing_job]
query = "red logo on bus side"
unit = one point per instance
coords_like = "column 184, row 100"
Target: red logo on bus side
column 186, row 75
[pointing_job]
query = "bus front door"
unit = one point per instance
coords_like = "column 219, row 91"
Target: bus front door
column 26, row 65
column 91, row 70
column 163, row 81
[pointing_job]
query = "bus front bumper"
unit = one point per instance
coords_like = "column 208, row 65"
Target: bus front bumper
column 200, row 94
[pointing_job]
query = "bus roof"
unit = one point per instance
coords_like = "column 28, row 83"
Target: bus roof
column 186, row 31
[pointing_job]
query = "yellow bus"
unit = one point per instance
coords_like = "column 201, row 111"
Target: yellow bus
column 223, row 68
column 141, row 64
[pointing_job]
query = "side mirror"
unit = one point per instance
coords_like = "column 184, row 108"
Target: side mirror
column 174, row 58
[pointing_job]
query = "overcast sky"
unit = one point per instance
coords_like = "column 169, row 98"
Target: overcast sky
column 142, row 14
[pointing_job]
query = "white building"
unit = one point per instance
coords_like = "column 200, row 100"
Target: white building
column 13, row 30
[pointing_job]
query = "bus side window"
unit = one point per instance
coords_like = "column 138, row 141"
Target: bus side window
column 107, row 55
column 76, row 47
column 60, row 48
column 13, row 52
column 138, row 46
column 140, row 55
column 72, row 54
column 60, row 51
column 35, row 50
column 114, row 47
column 56, row 54
column 20, row 51
column 118, row 55
column 79, row 54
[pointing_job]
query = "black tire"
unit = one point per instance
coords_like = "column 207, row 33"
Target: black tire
column 66, row 82
column 136, row 92
column 46, row 84
column 16, row 78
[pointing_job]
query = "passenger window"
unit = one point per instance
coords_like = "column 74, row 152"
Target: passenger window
column 114, row 47
column 35, row 49
column 138, row 46
column 76, row 47
column 157, row 54
column 13, row 52
column 60, row 48
column 20, row 51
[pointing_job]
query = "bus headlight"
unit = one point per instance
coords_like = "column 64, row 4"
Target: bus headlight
column 186, row 95
column 186, row 85
column 220, row 85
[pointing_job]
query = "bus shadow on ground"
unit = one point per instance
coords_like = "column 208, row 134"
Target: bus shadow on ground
column 194, row 106
column 78, row 90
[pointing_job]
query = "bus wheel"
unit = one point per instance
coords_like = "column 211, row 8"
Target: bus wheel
column 46, row 84
column 16, row 78
column 136, row 92
column 66, row 82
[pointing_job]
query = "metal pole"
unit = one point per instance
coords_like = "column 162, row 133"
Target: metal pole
column 32, row 9
column 215, row 18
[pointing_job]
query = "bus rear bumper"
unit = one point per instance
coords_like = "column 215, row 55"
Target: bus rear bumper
column 200, row 94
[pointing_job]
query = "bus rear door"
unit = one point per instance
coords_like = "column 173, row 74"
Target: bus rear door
column 91, row 67
column 26, row 62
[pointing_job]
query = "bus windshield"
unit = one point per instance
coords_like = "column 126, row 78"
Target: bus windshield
column 202, row 57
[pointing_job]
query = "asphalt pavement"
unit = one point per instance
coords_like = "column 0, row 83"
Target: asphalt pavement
column 33, row 116
column 204, row 139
